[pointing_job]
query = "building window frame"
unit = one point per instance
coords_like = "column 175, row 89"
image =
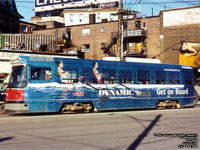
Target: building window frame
column 86, row 32
column 80, row 17
column 102, row 29
column 72, row 18
column 86, row 48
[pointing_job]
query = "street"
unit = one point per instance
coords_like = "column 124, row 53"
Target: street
column 124, row 130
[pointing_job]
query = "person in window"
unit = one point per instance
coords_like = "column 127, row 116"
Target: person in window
column 81, row 79
column 97, row 75
column 112, row 80
column 61, row 73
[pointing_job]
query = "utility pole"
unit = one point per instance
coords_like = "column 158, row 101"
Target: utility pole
column 120, row 30
column 139, row 6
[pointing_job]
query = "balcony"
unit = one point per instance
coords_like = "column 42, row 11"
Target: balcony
column 134, row 33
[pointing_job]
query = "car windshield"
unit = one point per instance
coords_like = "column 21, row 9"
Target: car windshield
column 18, row 77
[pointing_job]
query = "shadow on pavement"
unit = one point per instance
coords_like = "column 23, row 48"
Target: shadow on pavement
column 5, row 139
column 137, row 142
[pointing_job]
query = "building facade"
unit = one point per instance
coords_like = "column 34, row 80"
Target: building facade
column 89, row 16
column 140, row 36
column 177, row 26
column 9, row 17
column 53, row 11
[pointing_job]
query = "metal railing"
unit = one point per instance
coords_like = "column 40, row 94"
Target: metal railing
column 132, row 33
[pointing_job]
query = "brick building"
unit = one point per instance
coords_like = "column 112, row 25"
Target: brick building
column 53, row 11
column 182, row 24
column 142, row 34
column 140, row 38
column 27, row 28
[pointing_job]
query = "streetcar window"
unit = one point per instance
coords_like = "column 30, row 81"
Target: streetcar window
column 18, row 77
column 187, row 78
column 87, row 73
column 41, row 73
column 125, row 77
column 143, row 77
column 71, row 77
column 174, row 78
column 108, row 76
column 160, row 77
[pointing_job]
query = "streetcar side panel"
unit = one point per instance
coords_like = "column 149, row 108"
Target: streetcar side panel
column 133, row 86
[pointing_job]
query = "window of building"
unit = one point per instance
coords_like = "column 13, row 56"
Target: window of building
column 86, row 32
column 86, row 48
column 144, row 25
column 24, row 29
column 48, row 2
column 111, row 17
column 102, row 29
column 38, row 73
column 125, row 25
column 158, row 24
column 98, row 16
column 72, row 17
column 138, row 25
column 81, row 17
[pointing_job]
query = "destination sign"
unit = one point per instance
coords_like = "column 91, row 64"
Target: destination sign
column 112, row 3
column 53, row 2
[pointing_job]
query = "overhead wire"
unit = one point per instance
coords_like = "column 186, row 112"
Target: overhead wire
column 155, row 3
column 128, row 5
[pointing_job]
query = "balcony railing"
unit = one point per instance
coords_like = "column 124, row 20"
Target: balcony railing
column 132, row 33
column 28, row 42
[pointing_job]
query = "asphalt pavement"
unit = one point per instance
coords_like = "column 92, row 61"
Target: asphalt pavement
column 171, row 129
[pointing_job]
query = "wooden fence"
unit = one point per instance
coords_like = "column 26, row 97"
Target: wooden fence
column 28, row 42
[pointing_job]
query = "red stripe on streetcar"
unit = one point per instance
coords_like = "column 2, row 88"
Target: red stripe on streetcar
column 14, row 94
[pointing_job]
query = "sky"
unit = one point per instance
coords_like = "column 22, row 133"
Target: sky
column 25, row 8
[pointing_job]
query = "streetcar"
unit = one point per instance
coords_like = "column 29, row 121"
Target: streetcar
column 36, row 87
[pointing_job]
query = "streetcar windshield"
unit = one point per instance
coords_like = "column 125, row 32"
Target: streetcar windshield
column 18, row 77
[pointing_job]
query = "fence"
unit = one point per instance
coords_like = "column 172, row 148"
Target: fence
column 28, row 42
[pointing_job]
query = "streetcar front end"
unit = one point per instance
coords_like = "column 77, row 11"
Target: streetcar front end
column 15, row 91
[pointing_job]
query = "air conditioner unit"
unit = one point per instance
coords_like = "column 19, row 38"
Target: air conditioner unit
column 86, row 50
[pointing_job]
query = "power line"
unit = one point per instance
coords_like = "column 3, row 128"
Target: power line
column 143, row 3
column 24, row 7
column 25, row 1
column 155, row 3
column 193, row 3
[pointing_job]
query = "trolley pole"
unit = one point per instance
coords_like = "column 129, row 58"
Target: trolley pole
column 120, row 30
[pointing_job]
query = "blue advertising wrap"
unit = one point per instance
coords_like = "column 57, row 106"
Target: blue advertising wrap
column 36, row 85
